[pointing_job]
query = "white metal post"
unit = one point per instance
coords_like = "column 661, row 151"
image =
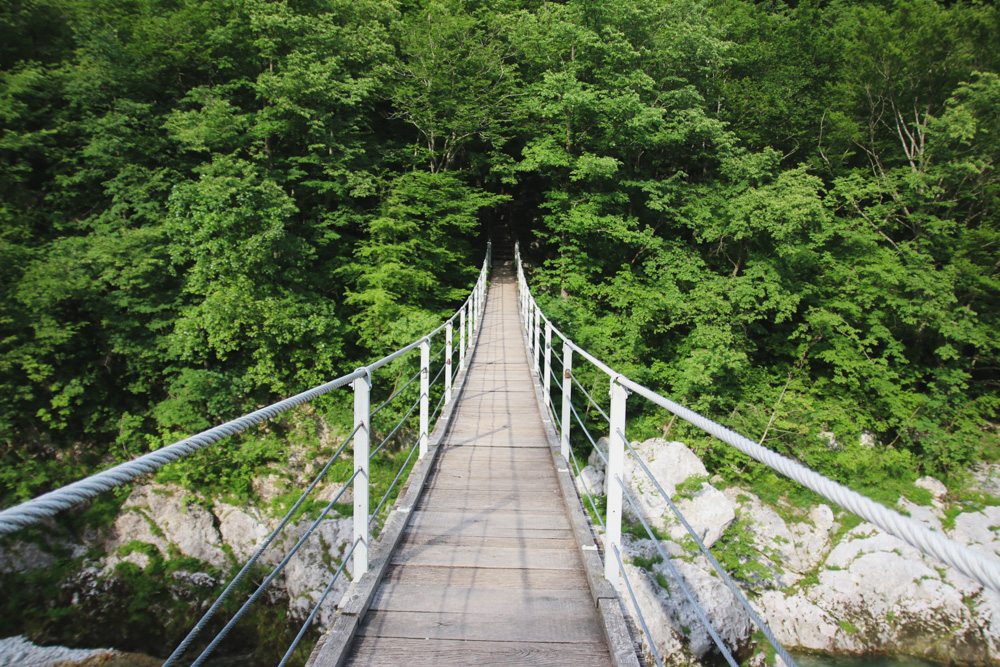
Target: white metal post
column 566, row 387
column 616, row 471
column 538, row 340
column 362, row 439
column 425, row 364
column 546, row 387
column 529, row 327
column 461, row 339
column 448, row 334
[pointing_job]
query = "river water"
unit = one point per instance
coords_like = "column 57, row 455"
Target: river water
column 812, row 660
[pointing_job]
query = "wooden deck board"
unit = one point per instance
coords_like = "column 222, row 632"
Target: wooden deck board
column 488, row 570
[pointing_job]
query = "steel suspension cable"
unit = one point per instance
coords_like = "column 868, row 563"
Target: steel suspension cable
column 274, row 573
column 394, row 395
column 730, row 584
column 590, row 398
column 374, row 516
column 319, row 603
column 196, row 630
column 393, row 432
column 635, row 603
column 974, row 565
column 53, row 502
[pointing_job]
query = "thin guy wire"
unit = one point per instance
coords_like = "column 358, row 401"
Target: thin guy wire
column 274, row 573
column 53, row 502
column 730, row 584
column 393, row 432
column 438, row 407
column 439, row 352
column 635, row 603
column 591, row 398
column 315, row 609
column 586, row 432
column 437, row 377
column 393, row 485
column 186, row 642
column 684, row 588
column 394, row 395
column 586, row 487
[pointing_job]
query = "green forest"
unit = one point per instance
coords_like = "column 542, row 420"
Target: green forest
column 781, row 214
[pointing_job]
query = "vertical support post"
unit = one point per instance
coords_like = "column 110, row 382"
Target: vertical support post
column 529, row 326
column 362, row 440
column 425, row 389
column 473, row 312
column 538, row 339
column 546, row 386
column 567, row 387
column 616, row 469
column 448, row 335
column 461, row 339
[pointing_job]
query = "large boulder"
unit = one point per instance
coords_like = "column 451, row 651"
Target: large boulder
column 706, row 509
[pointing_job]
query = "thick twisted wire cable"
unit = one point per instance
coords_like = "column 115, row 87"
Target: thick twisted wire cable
column 702, row 616
column 590, row 398
column 399, row 425
column 394, row 395
column 726, row 579
column 319, row 603
column 196, row 630
column 635, row 603
column 53, row 502
column 393, row 485
column 274, row 573
column 977, row 566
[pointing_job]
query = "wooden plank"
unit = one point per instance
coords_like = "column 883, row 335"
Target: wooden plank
column 575, row 625
column 413, row 538
column 391, row 651
column 493, row 557
column 466, row 577
column 499, row 520
column 446, row 599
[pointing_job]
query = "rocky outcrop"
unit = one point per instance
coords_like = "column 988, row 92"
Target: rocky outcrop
column 820, row 587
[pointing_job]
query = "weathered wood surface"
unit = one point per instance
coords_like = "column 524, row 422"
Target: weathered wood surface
column 488, row 571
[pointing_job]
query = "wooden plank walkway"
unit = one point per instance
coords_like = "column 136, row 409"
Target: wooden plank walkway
column 488, row 570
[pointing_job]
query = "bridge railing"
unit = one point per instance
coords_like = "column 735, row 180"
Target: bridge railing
column 540, row 332
column 467, row 318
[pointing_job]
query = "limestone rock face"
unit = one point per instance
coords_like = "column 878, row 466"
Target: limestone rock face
column 165, row 515
column 671, row 463
column 670, row 615
column 877, row 594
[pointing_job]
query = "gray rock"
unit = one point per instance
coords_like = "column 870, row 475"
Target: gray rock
column 163, row 516
column 937, row 489
column 595, row 460
column 590, row 480
column 708, row 511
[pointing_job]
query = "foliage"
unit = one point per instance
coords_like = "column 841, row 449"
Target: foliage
column 783, row 215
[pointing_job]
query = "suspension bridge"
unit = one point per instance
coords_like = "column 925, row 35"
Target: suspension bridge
column 484, row 552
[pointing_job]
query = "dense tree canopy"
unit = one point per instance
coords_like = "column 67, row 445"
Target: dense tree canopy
column 781, row 213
